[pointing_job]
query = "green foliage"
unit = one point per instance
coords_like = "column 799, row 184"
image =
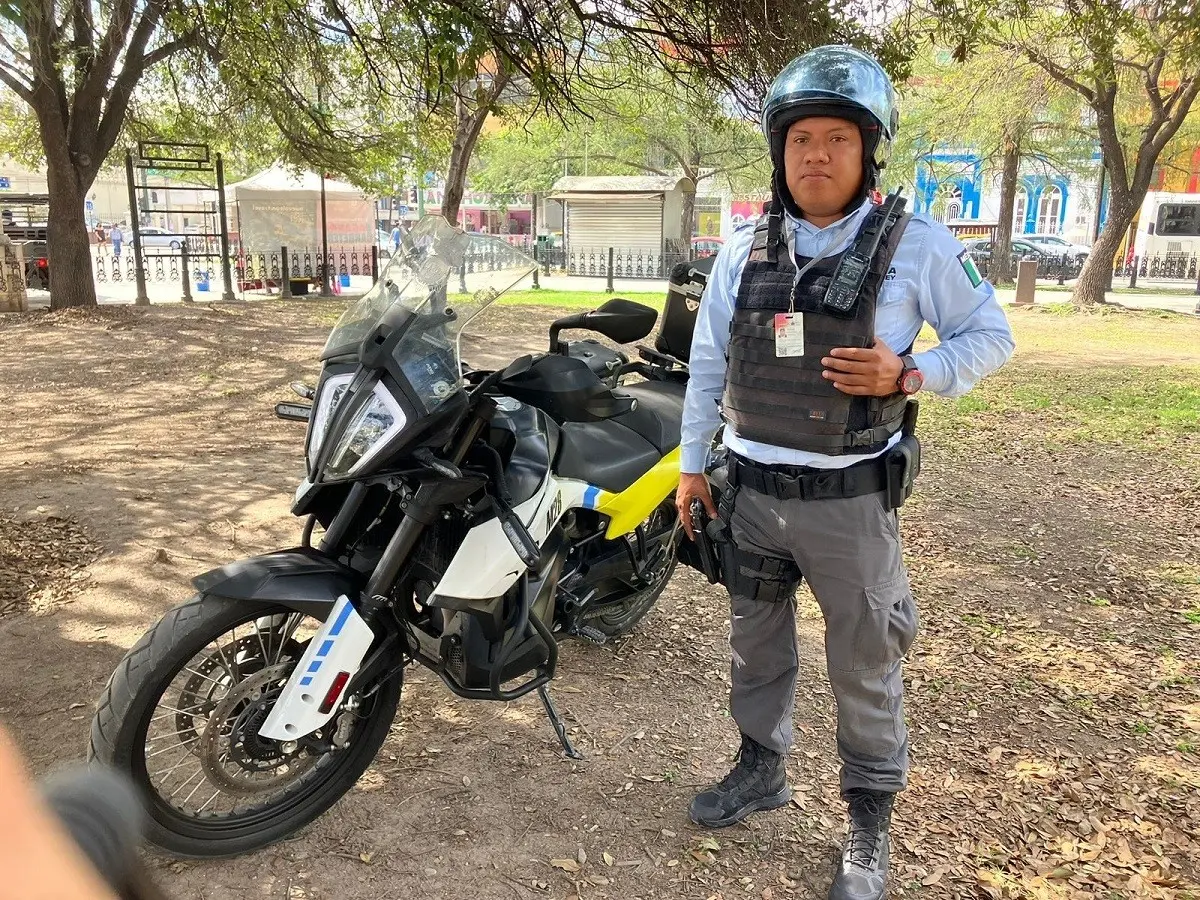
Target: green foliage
column 994, row 97
column 19, row 132
column 633, row 122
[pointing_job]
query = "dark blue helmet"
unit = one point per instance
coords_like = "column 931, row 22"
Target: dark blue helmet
column 833, row 81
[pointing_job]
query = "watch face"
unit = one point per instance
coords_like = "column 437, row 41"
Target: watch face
column 911, row 381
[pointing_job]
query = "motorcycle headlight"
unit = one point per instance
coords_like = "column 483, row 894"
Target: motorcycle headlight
column 371, row 428
column 331, row 394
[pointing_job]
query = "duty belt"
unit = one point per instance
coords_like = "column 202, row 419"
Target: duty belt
column 807, row 483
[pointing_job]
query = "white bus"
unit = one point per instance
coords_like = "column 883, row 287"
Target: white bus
column 1168, row 226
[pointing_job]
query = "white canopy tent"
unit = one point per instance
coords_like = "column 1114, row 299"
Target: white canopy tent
column 282, row 207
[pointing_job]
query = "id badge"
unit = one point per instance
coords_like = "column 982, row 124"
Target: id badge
column 789, row 334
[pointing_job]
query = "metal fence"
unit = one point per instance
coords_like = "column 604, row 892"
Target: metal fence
column 1152, row 268
column 252, row 269
column 617, row 262
column 1160, row 268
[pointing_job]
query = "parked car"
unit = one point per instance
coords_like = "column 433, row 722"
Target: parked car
column 981, row 250
column 1054, row 245
column 703, row 247
column 156, row 237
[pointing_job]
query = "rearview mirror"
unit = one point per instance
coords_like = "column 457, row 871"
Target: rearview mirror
column 623, row 321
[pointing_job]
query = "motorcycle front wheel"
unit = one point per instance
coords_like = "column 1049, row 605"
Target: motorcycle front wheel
column 181, row 714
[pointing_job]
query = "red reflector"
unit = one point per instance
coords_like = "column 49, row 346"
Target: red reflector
column 335, row 691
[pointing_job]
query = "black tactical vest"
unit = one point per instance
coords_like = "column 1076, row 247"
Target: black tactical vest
column 784, row 401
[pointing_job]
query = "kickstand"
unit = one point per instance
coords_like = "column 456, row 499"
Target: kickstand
column 559, row 727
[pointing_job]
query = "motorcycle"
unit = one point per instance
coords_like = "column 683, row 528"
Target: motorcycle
column 471, row 519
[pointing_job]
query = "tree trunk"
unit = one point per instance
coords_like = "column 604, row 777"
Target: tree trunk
column 468, row 123
column 1096, row 276
column 1001, row 268
column 687, row 218
column 68, row 249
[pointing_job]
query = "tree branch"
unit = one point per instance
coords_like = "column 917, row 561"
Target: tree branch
column 20, row 57
column 1059, row 74
column 18, row 87
column 108, row 126
column 170, row 48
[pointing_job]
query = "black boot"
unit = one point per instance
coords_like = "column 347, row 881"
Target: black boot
column 863, row 872
column 758, row 781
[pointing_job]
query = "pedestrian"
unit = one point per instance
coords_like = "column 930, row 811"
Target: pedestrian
column 117, row 236
column 803, row 346
column 397, row 236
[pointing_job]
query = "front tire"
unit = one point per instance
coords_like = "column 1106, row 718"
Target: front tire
column 143, row 684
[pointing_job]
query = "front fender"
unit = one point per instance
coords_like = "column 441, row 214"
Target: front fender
column 302, row 579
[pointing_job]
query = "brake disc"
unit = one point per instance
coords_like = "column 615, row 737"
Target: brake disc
column 233, row 754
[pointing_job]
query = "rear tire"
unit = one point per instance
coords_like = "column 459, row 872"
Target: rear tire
column 615, row 618
column 126, row 710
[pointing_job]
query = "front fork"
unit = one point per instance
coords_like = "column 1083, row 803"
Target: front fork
column 333, row 661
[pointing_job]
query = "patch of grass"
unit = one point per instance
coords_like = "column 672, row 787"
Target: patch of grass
column 1193, row 616
column 1185, row 747
column 1143, row 727
column 988, row 628
column 1091, row 404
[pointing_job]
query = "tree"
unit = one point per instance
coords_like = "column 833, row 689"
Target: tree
column 76, row 64
column 1136, row 65
column 1006, row 112
column 647, row 122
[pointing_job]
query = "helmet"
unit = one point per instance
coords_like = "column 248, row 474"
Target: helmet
column 833, row 81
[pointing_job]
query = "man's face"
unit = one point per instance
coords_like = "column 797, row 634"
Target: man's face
column 823, row 164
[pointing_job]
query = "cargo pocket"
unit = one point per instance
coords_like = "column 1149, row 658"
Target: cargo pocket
column 888, row 626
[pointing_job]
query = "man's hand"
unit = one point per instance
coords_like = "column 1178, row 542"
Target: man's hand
column 869, row 372
column 691, row 487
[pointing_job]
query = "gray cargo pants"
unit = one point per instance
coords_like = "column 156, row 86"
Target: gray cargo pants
column 849, row 550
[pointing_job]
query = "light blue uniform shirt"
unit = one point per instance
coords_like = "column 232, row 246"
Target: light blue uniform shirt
column 927, row 283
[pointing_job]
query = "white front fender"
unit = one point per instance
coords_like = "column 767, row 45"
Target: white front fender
column 333, row 657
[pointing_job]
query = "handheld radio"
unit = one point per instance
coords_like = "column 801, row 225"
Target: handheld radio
column 852, row 271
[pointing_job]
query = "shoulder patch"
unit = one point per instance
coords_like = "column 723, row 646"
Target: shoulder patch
column 968, row 266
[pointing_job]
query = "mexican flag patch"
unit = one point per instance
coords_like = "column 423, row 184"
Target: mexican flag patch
column 968, row 265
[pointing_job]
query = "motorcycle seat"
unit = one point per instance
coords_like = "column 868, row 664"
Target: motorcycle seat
column 614, row 453
column 658, row 414
column 606, row 454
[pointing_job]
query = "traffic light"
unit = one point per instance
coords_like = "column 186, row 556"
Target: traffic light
column 412, row 196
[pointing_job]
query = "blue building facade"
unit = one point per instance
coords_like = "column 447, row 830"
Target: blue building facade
column 951, row 186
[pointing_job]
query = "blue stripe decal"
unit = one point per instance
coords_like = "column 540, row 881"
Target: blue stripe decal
column 341, row 619
column 325, row 648
column 305, row 681
column 314, row 666
column 590, row 495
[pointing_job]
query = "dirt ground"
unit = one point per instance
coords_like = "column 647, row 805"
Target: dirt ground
column 1053, row 690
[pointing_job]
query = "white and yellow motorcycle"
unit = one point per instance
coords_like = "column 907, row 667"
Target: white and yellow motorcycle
column 470, row 520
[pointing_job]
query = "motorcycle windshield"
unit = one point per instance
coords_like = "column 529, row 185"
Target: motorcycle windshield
column 437, row 268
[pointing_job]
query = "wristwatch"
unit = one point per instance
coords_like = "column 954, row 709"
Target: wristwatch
column 910, row 379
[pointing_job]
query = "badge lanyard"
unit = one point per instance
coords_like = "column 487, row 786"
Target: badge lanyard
column 789, row 326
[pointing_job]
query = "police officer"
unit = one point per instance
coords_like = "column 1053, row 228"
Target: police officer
column 809, row 363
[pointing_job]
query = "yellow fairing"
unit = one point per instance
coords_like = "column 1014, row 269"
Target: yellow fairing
column 629, row 508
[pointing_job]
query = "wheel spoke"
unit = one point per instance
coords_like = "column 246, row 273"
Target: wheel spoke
column 199, row 771
column 208, row 801
column 205, row 677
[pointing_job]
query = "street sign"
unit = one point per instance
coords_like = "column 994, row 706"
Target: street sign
column 402, row 209
column 5, row 184
column 89, row 206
